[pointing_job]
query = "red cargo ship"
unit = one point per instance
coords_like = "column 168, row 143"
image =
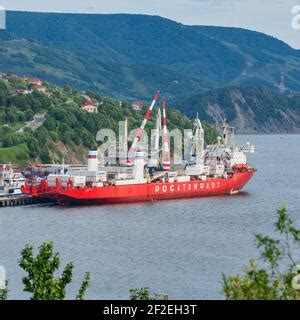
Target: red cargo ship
column 219, row 169
column 147, row 191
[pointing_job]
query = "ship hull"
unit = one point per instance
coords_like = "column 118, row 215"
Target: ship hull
column 149, row 191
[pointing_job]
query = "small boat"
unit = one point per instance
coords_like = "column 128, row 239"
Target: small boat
column 11, row 182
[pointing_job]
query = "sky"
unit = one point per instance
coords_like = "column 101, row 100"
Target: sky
column 273, row 17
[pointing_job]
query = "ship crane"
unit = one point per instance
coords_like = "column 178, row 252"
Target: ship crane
column 155, row 139
column 133, row 149
column 196, row 164
column 198, row 145
column 166, row 160
column 228, row 130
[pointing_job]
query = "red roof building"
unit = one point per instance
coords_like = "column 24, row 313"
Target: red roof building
column 90, row 106
column 33, row 81
column 137, row 105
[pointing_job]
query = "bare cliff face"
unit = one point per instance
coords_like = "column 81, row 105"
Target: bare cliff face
column 249, row 109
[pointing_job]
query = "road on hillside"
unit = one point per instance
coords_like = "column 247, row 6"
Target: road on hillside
column 37, row 121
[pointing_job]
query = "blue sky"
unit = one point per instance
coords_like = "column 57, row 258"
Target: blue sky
column 270, row 16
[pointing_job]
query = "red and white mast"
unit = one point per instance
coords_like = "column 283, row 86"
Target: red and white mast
column 155, row 142
column 166, row 159
column 132, row 150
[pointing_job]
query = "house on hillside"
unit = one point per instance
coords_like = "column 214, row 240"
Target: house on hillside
column 38, row 85
column 33, row 81
column 137, row 105
column 90, row 105
column 21, row 91
column 41, row 88
column 48, row 94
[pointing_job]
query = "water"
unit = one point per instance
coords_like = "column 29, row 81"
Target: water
column 180, row 247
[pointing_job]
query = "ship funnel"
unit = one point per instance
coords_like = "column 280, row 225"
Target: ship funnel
column 93, row 161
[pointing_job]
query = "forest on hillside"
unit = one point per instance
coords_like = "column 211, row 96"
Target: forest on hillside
column 68, row 129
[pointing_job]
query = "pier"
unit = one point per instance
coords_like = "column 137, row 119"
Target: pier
column 16, row 201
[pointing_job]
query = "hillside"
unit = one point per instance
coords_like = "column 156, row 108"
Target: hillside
column 128, row 56
column 85, row 73
column 266, row 57
column 45, row 123
column 249, row 109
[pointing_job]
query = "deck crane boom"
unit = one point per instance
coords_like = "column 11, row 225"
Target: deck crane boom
column 196, row 143
column 199, row 140
column 133, row 149
column 166, row 160
column 155, row 139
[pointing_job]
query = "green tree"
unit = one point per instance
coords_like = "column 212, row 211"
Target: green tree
column 50, row 124
column 33, row 146
column 4, row 292
column 273, row 282
column 45, row 155
column 145, row 294
column 41, row 281
column 84, row 287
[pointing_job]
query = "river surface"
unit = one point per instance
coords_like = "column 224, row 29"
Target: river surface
column 180, row 246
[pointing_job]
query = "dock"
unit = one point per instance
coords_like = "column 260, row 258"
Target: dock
column 16, row 201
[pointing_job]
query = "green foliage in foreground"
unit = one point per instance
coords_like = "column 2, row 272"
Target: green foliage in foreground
column 145, row 294
column 41, row 281
column 274, row 281
column 4, row 292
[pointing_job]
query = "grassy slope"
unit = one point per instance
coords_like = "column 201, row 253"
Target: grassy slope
column 18, row 154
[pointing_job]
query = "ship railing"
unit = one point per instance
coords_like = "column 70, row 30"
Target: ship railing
column 247, row 148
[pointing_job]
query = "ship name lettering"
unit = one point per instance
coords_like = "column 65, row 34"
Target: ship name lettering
column 188, row 187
